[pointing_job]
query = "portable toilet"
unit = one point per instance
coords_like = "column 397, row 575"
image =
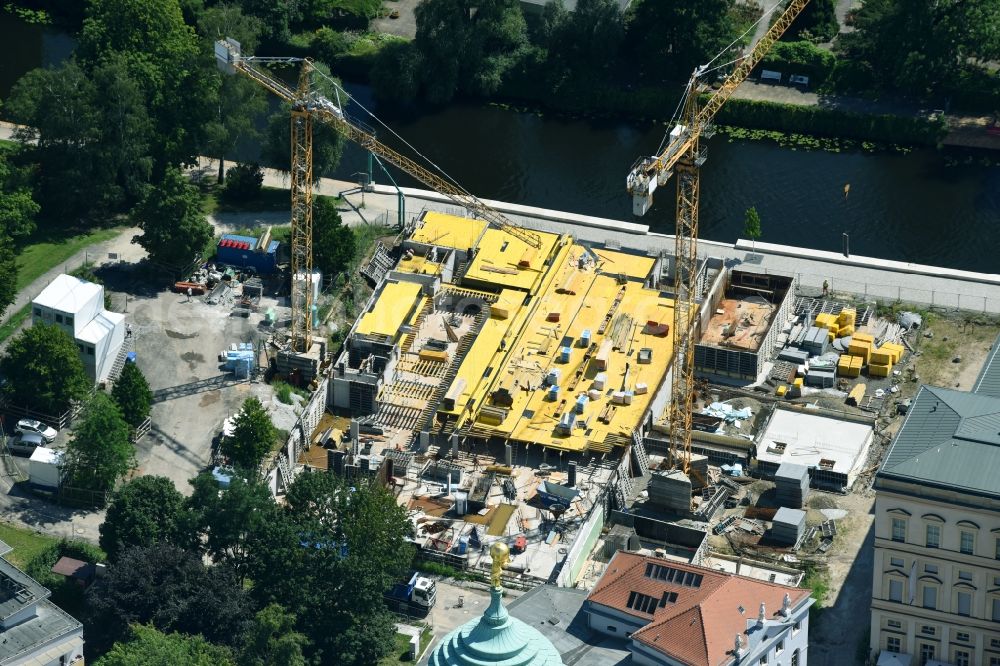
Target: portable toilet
column 553, row 393
column 585, row 338
column 581, row 403
column 564, row 353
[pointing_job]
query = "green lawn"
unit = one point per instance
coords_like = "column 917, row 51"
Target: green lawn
column 26, row 543
column 36, row 259
column 403, row 648
column 11, row 325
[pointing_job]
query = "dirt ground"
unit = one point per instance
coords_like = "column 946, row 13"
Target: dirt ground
column 967, row 338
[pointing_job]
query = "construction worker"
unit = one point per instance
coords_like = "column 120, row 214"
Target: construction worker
column 826, row 288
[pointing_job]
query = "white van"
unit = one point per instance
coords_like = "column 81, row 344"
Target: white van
column 25, row 442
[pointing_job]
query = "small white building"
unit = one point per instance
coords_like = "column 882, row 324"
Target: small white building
column 45, row 468
column 77, row 306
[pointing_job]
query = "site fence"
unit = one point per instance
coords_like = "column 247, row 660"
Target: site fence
column 903, row 293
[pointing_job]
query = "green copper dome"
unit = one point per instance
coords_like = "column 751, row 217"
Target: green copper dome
column 495, row 639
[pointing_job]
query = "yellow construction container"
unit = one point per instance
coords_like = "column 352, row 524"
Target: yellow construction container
column 781, row 390
column 849, row 366
column 845, row 330
column 860, row 348
column 798, row 382
column 433, row 355
column 847, row 317
column 879, row 369
column 824, row 319
column 863, row 337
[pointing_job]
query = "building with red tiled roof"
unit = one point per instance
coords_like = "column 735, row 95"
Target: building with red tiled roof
column 678, row 614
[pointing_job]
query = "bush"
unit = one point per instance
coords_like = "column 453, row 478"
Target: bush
column 328, row 43
column 243, row 182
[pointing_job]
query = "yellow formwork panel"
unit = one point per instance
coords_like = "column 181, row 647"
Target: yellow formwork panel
column 393, row 308
column 448, row 231
column 860, row 348
column 418, row 265
column 500, row 260
column 863, row 337
column 632, row 265
column 879, row 369
column 493, row 342
column 883, row 356
column 895, row 350
column 533, row 416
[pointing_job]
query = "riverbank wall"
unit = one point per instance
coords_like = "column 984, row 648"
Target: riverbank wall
column 866, row 278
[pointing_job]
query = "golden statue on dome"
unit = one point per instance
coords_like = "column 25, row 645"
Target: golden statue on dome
column 501, row 556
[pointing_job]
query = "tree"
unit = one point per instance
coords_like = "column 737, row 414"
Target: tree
column 243, row 182
column 336, row 551
column 396, row 72
column 239, row 101
column 43, row 369
column 233, row 520
column 146, row 510
column 443, row 36
column 672, row 38
column 333, row 242
column 172, row 590
column 272, row 639
column 751, row 226
column 17, row 207
column 8, row 272
column 100, row 452
column 586, row 39
column 148, row 647
column 818, row 21
column 922, row 48
column 253, row 436
column 59, row 127
column 132, row 395
column 174, row 229
column 150, row 39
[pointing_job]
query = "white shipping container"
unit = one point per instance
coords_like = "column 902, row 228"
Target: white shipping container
column 45, row 467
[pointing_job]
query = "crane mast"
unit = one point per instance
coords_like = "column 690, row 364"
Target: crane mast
column 682, row 154
column 309, row 105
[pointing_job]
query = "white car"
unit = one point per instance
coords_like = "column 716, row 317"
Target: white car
column 38, row 428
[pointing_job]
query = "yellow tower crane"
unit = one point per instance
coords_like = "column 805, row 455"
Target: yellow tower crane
column 309, row 104
column 683, row 154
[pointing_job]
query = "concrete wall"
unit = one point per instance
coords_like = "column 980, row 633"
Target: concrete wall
column 586, row 537
column 611, row 622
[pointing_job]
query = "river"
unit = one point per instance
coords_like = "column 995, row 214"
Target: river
column 912, row 207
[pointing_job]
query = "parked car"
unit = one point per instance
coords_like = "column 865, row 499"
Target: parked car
column 25, row 442
column 38, row 428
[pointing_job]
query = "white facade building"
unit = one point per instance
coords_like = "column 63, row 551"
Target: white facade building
column 77, row 306
column 33, row 630
column 936, row 578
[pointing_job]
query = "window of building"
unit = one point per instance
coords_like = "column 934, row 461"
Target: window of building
column 926, row 653
column 964, row 604
column 961, row 658
column 80, row 347
column 961, row 637
column 796, row 627
column 780, row 647
column 90, row 351
column 994, row 661
column 612, row 628
column 967, row 542
column 933, row 536
column 996, row 610
column 893, row 644
column 996, row 547
column 930, row 568
column 895, row 589
column 897, row 562
column 69, row 320
column 930, row 596
column 58, row 318
column 894, row 624
column 642, row 602
column 899, row 533
column 763, row 660
column 672, row 575
column 795, row 657
column 927, row 630
column 965, row 575
column 996, row 581
column 38, row 312
column 995, row 643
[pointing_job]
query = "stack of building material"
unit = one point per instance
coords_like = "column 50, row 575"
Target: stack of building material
column 821, row 377
column 796, row 356
column 883, row 358
column 699, row 470
column 862, row 345
column 791, row 485
column 845, row 322
column 828, row 321
column 815, row 341
column 788, row 525
column 670, row 490
column 849, row 365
